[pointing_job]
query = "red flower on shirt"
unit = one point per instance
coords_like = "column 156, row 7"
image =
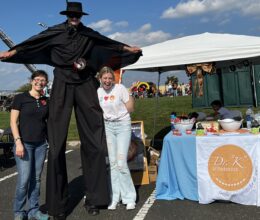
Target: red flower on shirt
column 43, row 102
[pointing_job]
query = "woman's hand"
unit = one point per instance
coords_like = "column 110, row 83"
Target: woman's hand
column 19, row 151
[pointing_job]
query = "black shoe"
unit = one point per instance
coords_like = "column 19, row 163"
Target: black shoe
column 92, row 209
column 61, row 216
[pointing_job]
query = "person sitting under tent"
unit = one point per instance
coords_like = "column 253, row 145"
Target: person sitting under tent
column 219, row 111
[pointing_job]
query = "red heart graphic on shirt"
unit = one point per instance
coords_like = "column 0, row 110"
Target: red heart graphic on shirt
column 106, row 98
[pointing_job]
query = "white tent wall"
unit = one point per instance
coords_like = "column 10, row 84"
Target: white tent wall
column 222, row 49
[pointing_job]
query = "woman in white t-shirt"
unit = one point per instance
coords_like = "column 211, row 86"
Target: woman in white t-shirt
column 116, row 103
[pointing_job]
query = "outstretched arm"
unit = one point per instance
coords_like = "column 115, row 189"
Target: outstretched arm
column 7, row 54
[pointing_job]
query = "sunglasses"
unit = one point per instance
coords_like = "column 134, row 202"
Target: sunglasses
column 74, row 15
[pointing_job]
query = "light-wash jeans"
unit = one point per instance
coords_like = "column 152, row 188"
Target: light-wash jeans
column 118, row 134
column 29, row 170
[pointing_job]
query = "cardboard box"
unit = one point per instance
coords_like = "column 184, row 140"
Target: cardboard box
column 152, row 170
column 154, row 156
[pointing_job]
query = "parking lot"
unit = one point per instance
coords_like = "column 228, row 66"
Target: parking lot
column 147, row 207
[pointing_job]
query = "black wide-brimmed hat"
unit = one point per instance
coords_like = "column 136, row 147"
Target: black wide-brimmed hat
column 73, row 7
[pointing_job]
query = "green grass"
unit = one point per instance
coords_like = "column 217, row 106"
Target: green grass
column 156, row 112
column 148, row 110
column 4, row 120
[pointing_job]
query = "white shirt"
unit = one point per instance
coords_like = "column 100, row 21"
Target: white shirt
column 113, row 101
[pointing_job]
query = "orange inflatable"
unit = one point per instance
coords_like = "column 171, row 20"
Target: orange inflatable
column 118, row 77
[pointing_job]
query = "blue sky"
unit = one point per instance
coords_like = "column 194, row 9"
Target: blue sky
column 135, row 22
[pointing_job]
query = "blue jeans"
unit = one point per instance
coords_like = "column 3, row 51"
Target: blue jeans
column 29, row 170
column 118, row 136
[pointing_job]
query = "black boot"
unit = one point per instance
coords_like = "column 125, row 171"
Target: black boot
column 91, row 209
column 61, row 216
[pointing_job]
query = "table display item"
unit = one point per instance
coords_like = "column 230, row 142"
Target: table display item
column 249, row 117
column 200, row 130
column 255, row 127
column 173, row 117
column 184, row 125
column 188, row 131
column 176, row 132
column 230, row 124
column 209, row 126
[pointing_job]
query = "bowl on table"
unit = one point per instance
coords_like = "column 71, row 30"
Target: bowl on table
column 183, row 126
column 257, row 117
column 230, row 124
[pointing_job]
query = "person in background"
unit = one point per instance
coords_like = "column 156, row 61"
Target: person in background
column 29, row 128
column 77, row 53
column 170, row 89
column 117, row 105
column 183, row 92
column 219, row 111
column 174, row 87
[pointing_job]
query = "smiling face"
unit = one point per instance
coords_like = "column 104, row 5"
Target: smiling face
column 38, row 83
column 107, row 80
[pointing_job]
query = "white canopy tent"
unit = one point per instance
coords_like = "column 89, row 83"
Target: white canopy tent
column 223, row 49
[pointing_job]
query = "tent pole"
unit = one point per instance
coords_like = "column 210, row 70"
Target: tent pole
column 156, row 105
column 252, row 69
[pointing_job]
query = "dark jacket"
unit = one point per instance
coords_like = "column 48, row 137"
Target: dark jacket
column 61, row 45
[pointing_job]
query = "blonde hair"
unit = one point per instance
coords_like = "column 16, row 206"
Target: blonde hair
column 104, row 70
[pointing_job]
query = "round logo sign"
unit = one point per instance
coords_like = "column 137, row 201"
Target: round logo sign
column 230, row 167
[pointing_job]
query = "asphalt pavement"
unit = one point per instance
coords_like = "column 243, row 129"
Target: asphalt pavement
column 147, row 207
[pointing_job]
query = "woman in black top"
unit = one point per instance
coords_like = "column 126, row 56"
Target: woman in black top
column 28, row 123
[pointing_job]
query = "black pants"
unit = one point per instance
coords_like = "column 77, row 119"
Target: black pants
column 89, row 116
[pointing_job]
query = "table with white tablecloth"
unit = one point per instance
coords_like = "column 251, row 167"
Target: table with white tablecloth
column 209, row 168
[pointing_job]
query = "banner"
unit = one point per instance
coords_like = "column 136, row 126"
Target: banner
column 227, row 168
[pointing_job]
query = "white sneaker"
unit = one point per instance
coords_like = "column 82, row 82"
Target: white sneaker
column 112, row 206
column 130, row 206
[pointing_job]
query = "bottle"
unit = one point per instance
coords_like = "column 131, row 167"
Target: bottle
column 173, row 117
column 249, row 117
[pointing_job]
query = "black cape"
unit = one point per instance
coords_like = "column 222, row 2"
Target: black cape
column 100, row 51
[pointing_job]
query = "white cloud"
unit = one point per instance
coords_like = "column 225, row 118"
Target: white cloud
column 145, row 28
column 12, row 76
column 8, row 69
column 200, row 7
column 121, row 24
column 141, row 37
column 252, row 9
column 102, row 25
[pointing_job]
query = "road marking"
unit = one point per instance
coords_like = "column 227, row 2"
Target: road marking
column 9, row 176
column 146, row 206
column 15, row 173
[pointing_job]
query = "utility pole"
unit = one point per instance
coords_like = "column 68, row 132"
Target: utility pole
column 10, row 44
